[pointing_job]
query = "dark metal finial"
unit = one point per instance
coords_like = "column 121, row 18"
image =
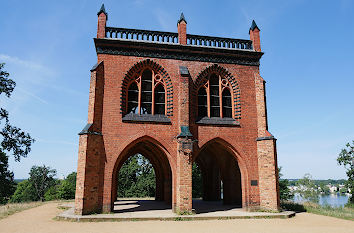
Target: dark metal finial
column 102, row 10
column 181, row 19
column 254, row 26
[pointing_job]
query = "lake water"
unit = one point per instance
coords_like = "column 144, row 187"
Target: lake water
column 334, row 200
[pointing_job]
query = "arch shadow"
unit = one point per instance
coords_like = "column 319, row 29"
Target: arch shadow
column 224, row 175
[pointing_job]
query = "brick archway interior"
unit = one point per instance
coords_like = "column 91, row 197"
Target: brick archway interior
column 218, row 165
column 161, row 166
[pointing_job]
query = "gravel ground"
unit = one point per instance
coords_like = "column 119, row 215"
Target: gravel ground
column 41, row 219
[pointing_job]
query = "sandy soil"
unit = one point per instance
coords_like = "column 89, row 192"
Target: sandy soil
column 40, row 219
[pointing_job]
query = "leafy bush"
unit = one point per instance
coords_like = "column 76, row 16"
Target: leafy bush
column 51, row 194
column 67, row 187
column 285, row 193
column 292, row 206
column 307, row 189
column 25, row 192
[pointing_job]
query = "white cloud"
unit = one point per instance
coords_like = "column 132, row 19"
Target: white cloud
column 56, row 142
column 165, row 20
column 32, row 95
column 26, row 64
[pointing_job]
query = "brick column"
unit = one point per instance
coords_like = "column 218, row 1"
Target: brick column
column 184, row 147
column 254, row 36
column 90, row 170
column 266, row 153
column 268, row 173
column 101, row 24
column 182, row 30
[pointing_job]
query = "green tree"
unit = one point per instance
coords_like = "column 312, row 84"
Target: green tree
column 136, row 178
column 42, row 178
column 67, row 187
column 285, row 193
column 307, row 188
column 12, row 139
column 24, row 192
column 324, row 188
column 197, row 182
column 7, row 183
column 52, row 193
column 346, row 158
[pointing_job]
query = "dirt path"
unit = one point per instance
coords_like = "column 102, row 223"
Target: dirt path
column 40, row 219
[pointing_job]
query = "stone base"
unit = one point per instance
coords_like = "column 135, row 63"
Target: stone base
column 144, row 210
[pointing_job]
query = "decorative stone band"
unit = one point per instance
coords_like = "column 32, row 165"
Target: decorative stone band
column 177, row 52
column 266, row 138
column 88, row 130
column 218, row 121
column 131, row 117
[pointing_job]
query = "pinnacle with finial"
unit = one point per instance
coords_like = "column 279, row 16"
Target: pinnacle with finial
column 182, row 19
column 102, row 10
column 254, row 26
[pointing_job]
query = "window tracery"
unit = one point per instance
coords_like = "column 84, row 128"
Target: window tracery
column 215, row 98
column 146, row 94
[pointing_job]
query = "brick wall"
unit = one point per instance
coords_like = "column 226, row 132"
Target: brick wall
column 110, row 140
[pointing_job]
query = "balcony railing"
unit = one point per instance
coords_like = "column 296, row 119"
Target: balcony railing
column 219, row 42
column 141, row 35
column 170, row 37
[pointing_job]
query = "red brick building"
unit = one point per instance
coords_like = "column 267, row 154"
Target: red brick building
column 177, row 98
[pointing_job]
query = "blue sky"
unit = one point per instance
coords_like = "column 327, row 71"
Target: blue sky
column 308, row 65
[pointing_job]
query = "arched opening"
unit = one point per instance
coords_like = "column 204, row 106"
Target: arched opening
column 151, row 162
column 221, row 179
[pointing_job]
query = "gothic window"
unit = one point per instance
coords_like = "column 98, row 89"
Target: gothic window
column 159, row 99
column 202, row 102
column 146, row 94
column 226, row 103
column 133, row 98
column 214, row 98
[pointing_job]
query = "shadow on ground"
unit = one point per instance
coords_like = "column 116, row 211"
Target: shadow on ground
column 200, row 206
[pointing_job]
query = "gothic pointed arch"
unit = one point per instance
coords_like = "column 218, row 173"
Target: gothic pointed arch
column 161, row 80
column 227, row 80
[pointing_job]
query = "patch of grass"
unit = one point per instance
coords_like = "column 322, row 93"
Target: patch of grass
column 346, row 212
column 12, row 208
column 292, row 206
column 339, row 212
column 185, row 212
column 63, row 207
column 264, row 210
column 182, row 219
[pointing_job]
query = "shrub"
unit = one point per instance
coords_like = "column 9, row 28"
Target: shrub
column 25, row 192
